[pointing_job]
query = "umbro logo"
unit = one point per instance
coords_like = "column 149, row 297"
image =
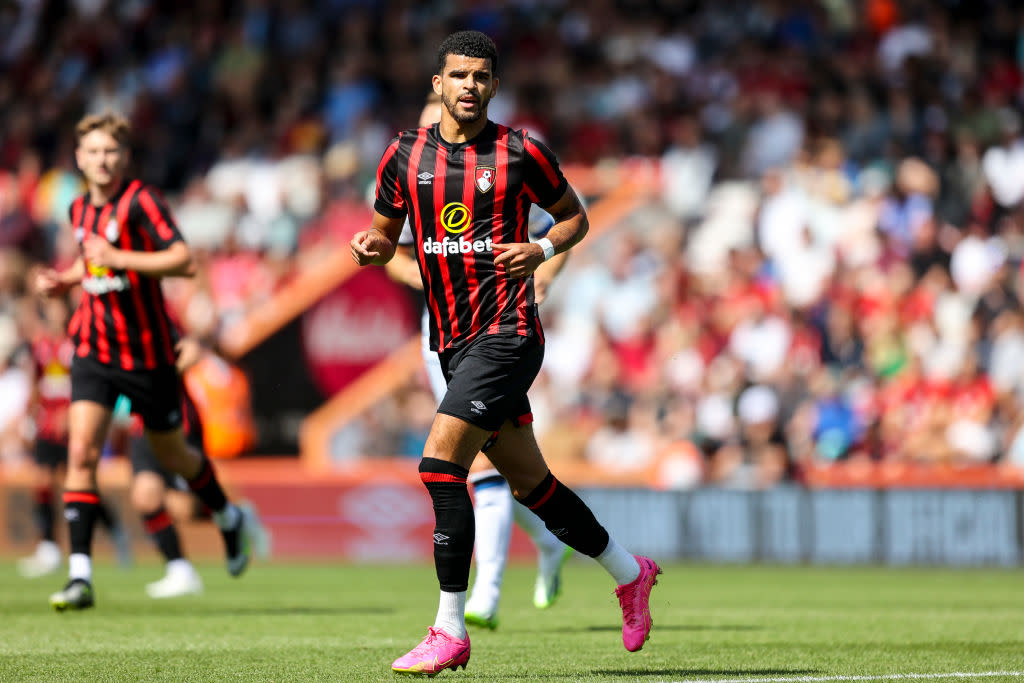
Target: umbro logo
column 559, row 532
column 426, row 178
column 71, row 514
column 441, row 539
column 477, row 406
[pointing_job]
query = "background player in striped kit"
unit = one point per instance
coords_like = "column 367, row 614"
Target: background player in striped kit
column 124, row 344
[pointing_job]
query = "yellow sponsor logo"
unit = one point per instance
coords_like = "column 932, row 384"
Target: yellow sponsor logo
column 455, row 217
column 97, row 271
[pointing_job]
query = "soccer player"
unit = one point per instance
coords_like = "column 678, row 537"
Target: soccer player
column 466, row 185
column 51, row 355
column 154, row 489
column 125, row 344
column 493, row 504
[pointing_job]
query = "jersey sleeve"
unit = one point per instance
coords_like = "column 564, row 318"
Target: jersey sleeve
column 542, row 175
column 154, row 218
column 389, row 200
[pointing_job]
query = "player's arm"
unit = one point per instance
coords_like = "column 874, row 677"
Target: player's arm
column 403, row 268
column 376, row 246
column 170, row 255
column 174, row 259
column 51, row 282
column 571, row 226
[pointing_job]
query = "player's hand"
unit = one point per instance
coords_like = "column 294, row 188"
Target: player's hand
column 189, row 352
column 99, row 252
column 367, row 246
column 519, row 259
column 47, row 282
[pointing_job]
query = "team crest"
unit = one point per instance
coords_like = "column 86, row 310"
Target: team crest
column 113, row 230
column 484, row 178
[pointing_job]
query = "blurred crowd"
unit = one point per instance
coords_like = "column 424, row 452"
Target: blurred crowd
column 829, row 269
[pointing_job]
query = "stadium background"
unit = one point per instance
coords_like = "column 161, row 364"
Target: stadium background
column 797, row 318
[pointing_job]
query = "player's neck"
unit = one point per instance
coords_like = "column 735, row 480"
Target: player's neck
column 455, row 132
column 101, row 194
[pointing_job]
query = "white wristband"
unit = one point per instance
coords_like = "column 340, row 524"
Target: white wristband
column 549, row 249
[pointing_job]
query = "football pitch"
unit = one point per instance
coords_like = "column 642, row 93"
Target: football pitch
column 319, row 622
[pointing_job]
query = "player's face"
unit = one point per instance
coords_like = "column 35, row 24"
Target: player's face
column 466, row 85
column 101, row 158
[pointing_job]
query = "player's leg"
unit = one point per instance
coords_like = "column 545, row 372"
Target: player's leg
column 492, row 507
column 148, row 495
column 517, row 456
column 450, row 449
column 108, row 518
column 157, row 397
column 46, row 558
column 89, row 422
column 552, row 554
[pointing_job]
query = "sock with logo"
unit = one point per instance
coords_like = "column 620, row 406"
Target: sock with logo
column 42, row 509
column 492, row 509
column 161, row 529
column 567, row 517
column 453, row 522
column 80, row 511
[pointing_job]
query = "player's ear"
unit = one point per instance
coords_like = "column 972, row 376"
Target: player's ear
column 494, row 86
column 435, row 80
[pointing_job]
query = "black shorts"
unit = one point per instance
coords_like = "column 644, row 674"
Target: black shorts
column 143, row 459
column 50, row 453
column 488, row 380
column 155, row 394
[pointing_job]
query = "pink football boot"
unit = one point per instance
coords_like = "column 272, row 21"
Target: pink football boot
column 634, row 598
column 437, row 652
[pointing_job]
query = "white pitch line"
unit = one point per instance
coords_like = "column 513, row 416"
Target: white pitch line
column 886, row 677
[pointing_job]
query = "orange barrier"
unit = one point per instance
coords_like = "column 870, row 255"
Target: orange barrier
column 896, row 474
column 288, row 303
column 382, row 379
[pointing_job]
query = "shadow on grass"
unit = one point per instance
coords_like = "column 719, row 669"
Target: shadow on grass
column 683, row 627
column 297, row 610
column 646, row 673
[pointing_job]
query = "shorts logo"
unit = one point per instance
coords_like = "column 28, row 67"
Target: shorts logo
column 455, row 217
column 477, row 407
column 484, row 178
column 441, row 539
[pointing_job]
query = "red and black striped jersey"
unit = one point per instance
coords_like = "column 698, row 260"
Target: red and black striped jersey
column 52, row 359
column 460, row 199
column 122, row 319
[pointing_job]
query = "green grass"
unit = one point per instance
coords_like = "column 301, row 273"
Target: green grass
column 345, row 623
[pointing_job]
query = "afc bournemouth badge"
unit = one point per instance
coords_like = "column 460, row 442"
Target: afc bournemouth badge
column 484, row 178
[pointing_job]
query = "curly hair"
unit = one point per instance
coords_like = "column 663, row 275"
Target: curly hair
column 468, row 44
